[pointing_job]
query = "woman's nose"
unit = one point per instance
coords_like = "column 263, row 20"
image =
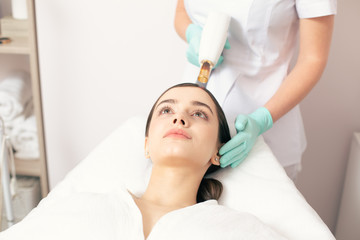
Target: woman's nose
column 180, row 120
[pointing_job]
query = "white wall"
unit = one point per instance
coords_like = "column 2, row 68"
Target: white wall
column 331, row 114
column 103, row 61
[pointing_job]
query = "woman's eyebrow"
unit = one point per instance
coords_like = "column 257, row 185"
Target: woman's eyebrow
column 173, row 101
column 197, row 103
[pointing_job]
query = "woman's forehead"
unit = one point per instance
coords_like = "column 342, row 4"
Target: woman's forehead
column 188, row 94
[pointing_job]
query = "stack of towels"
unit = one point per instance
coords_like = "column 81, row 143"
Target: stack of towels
column 16, row 109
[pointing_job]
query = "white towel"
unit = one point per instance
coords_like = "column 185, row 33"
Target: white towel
column 27, row 112
column 24, row 139
column 15, row 93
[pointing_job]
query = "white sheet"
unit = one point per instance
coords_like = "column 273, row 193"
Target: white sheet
column 258, row 186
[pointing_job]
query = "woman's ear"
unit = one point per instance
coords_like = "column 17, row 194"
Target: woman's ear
column 215, row 159
column 146, row 148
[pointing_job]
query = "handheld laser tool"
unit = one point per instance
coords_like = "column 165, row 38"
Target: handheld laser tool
column 212, row 43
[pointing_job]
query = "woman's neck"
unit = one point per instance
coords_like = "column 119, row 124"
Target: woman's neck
column 172, row 187
column 169, row 189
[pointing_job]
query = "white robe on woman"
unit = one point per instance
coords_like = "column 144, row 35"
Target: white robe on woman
column 116, row 216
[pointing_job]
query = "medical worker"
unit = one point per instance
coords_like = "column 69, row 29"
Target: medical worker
column 254, row 81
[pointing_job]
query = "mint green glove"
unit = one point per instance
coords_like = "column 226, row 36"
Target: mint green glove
column 248, row 128
column 193, row 37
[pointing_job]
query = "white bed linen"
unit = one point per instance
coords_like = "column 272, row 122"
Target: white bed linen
column 258, row 186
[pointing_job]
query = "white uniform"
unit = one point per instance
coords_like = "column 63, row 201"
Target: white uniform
column 263, row 38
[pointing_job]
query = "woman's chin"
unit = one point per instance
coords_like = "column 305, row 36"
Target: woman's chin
column 174, row 154
column 177, row 153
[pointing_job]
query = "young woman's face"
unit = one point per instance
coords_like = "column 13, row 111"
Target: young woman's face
column 184, row 129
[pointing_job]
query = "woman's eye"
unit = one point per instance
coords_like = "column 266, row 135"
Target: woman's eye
column 165, row 110
column 200, row 114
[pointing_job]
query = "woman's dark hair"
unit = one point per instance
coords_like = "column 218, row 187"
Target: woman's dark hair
column 209, row 188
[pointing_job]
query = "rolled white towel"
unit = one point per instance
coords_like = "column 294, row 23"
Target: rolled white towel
column 24, row 139
column 15, row 93
column 9, row 126
column 28, row 111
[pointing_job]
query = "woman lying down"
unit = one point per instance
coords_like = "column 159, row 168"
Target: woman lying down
column 184, row 131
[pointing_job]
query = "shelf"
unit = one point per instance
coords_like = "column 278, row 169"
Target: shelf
column 18, row 45
column 23, row 41
column 30, row 167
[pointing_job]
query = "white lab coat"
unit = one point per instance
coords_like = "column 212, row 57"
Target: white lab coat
column 263, row 39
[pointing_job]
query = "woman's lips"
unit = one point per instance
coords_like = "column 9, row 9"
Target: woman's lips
column 177, row 133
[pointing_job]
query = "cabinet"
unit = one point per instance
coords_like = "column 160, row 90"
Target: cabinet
column 27, row 45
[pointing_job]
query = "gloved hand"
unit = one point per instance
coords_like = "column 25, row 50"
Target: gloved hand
column 193, row 37
column 248, row 128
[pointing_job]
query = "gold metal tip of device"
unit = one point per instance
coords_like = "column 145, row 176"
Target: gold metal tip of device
column 205, row 72
column 203, row 79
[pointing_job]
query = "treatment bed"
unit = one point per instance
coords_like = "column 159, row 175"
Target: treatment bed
column 258, row 186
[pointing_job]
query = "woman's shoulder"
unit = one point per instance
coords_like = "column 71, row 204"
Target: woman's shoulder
column 221, row 211
column 234, row 222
